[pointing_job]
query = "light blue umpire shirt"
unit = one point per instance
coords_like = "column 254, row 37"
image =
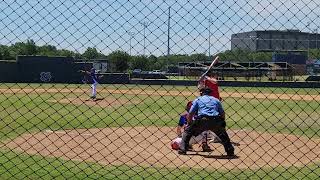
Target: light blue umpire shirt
column 206, row 106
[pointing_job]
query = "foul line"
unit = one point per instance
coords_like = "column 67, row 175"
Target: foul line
column 70, row 133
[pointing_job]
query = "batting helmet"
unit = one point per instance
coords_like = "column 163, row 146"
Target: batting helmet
column 175, row 144
column 205, row 91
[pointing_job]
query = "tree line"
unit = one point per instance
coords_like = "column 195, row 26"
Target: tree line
column 123, row 61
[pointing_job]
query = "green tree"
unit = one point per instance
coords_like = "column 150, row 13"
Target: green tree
column 2, row 49
column 314, row 54
column 153, row 63
column 262, row 57
column 139, row 62
column 21, row 48
column 175, row 59
column 31, row 48
column 5, row 53
column 119, row 60
column 91, row 53
column 47, row 50
column 237, row 55
column 18, row 49
column 50, row 50
column 67, row 53
column 199, row 57
column 172, row 60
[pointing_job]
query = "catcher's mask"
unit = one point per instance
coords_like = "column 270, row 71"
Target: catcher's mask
column 205, row 91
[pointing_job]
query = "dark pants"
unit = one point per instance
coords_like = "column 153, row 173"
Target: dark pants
column 215, row 124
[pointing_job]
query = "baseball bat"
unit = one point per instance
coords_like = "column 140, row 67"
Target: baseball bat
column 215, row 61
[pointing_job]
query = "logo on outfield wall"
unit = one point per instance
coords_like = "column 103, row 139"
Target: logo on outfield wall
column 45, row 76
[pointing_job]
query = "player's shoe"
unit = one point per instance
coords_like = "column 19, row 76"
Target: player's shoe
column 206, row 147
column 182, row 152
column 93, row 98
column 230, row 154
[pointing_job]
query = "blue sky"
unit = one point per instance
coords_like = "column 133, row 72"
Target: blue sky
column 79, row 24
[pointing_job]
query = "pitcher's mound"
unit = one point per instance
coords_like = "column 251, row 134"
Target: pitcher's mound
column 101, row 102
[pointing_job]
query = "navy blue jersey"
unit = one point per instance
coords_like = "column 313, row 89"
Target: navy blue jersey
column 182, row 120
column 94, row 76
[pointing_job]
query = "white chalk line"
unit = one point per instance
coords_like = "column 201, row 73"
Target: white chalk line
column 68, row 133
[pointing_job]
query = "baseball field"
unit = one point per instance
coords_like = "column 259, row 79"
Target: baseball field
column 53, row 130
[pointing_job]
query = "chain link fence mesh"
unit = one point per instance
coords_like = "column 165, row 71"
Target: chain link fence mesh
column 56, row 122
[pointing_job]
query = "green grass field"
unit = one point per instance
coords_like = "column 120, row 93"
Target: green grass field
column 33, row 112
column 21, row 166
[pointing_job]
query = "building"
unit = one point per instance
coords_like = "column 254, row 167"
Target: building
column 271, row 40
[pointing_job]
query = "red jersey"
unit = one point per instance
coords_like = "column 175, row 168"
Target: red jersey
column 213, row 85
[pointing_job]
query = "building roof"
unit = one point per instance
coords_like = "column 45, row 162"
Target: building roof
column 275, row 31
column 238, row 65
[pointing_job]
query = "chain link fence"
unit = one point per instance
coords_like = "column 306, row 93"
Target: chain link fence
column 99, row 89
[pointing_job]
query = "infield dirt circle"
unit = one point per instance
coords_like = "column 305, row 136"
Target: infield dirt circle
column 150, row 146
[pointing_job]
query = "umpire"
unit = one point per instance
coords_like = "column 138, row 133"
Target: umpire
column 211, row 116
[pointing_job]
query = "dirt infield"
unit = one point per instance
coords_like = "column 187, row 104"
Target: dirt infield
column 102, row 102
column 150, row 146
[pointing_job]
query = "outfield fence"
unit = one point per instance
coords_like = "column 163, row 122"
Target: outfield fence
column 52, row 128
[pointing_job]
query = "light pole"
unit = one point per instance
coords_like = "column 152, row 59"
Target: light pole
column 131, row 34
column 254, row 39
column 308, row 39
column 169, row 16
column 210, row 22
column 168, row 53
column 316, row 33
column 145, row 24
